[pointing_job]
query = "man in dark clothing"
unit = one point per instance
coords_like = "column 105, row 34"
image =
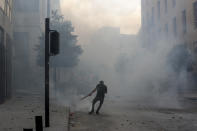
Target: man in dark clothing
column 101, row 89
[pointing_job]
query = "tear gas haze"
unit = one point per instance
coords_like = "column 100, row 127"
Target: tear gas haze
column 131, row 70
column 113, row 50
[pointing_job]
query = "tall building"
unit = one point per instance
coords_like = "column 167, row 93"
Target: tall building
column 29, row 19
column 174, row 20
column 29, row 26
column 6, row 37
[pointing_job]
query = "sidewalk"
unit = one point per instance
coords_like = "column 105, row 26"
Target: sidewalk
column 19, row 113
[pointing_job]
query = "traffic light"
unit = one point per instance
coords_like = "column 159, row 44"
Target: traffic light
column 54, row 43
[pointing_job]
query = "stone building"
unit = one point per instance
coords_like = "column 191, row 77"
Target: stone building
column 29, row 26
column 29, row 19
column 174, row 20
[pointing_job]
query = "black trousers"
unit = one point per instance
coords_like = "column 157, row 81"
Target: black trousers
column 95, row 100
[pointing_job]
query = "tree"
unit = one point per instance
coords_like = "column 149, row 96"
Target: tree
column 69, row 50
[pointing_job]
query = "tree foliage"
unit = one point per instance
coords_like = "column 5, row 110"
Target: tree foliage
column 69, row 50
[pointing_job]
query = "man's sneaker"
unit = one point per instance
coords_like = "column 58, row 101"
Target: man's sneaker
column 97, row 113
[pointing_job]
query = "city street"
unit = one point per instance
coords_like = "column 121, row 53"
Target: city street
column 60, row 57
column 134, row 116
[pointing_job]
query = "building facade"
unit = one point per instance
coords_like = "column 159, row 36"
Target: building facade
column 174, row 20
column 29, row 19
column 6, row 36
column 29, row 26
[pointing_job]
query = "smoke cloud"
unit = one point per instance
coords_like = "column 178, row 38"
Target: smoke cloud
column 131, row 70
column 89, row 15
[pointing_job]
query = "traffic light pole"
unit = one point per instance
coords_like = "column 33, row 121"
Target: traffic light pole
column 51, row 49
column 47, row 55
column 48, row 8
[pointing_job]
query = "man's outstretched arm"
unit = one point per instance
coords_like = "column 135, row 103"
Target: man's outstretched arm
column 92, row 92
column 89, row 94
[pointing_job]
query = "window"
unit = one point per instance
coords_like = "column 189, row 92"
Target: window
column 195, row 14
column 147, row 19
column 27, row 5
column 159, row 32
column 22, row 46
column 143, row 21
column 158, row 9
column 174, row 26
column 184, row 21
column 166, row 6
column 173, row 3
column 195, row 47
column 153, row 15
column 166, row 29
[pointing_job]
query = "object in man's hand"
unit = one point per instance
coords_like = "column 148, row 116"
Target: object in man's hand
column 85, row 97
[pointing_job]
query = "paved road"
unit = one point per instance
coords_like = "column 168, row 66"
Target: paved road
column 132, row 116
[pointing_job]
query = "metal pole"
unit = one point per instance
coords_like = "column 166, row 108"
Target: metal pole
column 47, row 30
column 38, row 123
column 48, row 8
